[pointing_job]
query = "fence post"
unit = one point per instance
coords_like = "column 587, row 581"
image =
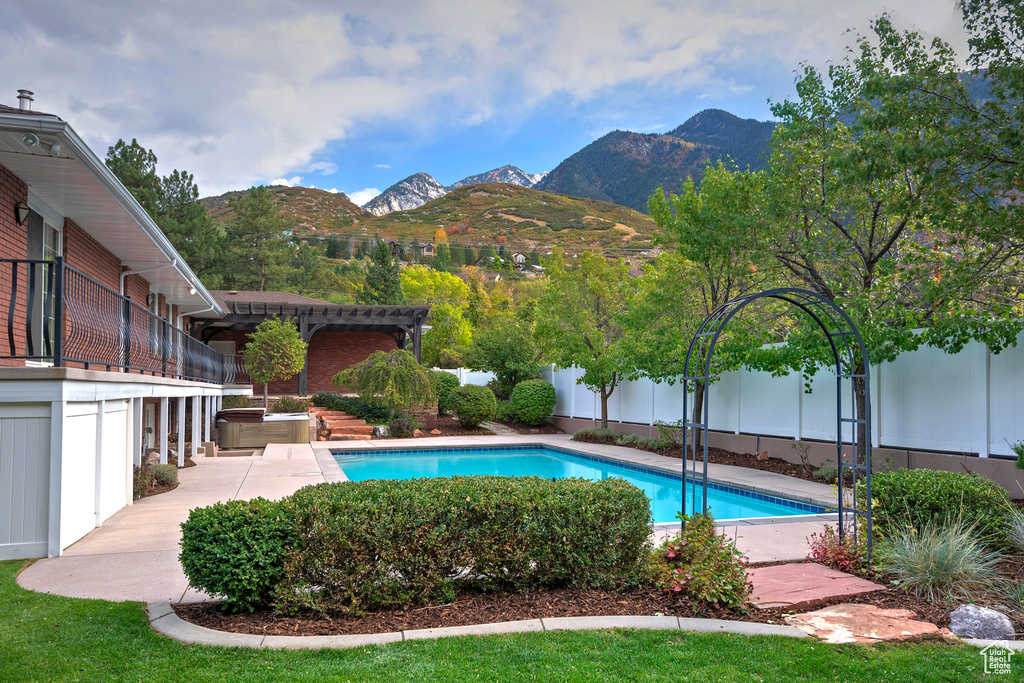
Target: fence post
column 58, row 311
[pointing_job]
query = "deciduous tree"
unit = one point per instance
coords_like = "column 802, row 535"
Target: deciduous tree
column 275, row 351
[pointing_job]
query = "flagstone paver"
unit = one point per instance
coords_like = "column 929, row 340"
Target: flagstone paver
column 804, row 585
column 847, row 623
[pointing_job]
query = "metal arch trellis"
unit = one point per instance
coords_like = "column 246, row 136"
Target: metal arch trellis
column 848, row 352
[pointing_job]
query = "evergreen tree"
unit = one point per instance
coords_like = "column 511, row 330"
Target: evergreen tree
column 261, row 246
column 468, row 256
column 173, row 204
column 333, row 248
column 443, row 260
column 383, row 285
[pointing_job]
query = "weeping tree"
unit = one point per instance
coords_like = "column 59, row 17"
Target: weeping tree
column 391, row 379
column 275, row 351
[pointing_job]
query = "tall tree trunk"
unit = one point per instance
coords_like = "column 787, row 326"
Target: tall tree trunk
column 860, row 397
column 605, row 393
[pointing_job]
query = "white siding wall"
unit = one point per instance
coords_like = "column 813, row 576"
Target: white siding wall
column 24, row 480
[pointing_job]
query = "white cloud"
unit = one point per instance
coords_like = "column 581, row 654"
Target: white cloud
column 323, row 167
column 287, row 182
column 360, row 197
column 239, row 98
column 382, row 165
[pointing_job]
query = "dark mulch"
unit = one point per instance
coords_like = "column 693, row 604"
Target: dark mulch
column 483, row 608
column 447, row 424
column 720, row 456
column 524, row 428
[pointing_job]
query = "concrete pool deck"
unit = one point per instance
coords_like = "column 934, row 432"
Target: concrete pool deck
column 134, row 555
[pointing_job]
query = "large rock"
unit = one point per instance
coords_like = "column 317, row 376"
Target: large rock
column 381, row 432
column 974, row 621
column 850, row 623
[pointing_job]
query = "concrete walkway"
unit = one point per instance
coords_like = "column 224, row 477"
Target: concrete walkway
column 133, row 556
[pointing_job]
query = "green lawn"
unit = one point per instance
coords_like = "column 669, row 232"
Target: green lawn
column 48, row 638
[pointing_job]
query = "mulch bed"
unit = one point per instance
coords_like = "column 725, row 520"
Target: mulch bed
column 524, row 428
column 483, row 608
column 720, row 456
column 447, row 424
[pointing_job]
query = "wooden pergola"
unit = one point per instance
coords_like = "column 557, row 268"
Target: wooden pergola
column 399, row 322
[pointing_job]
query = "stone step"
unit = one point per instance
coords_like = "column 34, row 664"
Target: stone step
column 339, row 414
column 331, row 424
column 356, row 429
column 350, row 437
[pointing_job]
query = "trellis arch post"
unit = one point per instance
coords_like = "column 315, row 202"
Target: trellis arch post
column 848, row 353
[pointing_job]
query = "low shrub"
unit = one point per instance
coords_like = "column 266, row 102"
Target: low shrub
column 142, row 479
column 533, row 401
column 288, row 404
column 505, row 412
column 637, row 441
column 826, row 474
column 502, row 392
column 385, row 543
column 402, row 428
column 237, row 550
column 1018, row 450
column 473, row 404
column 670, row 433
column 917, row 497
column 165, row 475
column 444, row 384
column 841, row 553
column 232, row 401
column 371, row 412
column 940, row 561
column 595, row 435
column 704, row 566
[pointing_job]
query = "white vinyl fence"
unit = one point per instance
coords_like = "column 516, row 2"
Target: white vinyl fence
column 970, row 402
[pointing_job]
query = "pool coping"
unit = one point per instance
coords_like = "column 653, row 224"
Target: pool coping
column 639, row 459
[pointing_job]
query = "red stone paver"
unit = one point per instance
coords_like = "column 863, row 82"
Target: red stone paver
column 847, row 623
column 803, row 585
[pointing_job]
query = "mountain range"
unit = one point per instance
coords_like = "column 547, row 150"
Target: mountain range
column 622, row 167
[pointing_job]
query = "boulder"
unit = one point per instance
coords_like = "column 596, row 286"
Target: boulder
column 417, row 433
column 974, row 621
column 381, row 432
column 435, row 432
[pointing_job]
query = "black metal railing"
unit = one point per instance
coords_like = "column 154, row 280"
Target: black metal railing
column 58, row 314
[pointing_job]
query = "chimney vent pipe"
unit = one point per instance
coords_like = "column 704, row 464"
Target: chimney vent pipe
column 25, row 99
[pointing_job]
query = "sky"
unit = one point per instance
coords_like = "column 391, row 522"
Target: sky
column 354, row 96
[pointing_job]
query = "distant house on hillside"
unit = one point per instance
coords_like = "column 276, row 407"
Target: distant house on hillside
column 427, row 249
column 518, row 260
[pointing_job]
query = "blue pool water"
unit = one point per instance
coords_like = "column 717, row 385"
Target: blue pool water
column 664, row 490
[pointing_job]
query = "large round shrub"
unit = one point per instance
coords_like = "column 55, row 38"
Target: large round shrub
column 533, row 401
column 916, row 497
column 444, row 384
column 237, row 550
column 473, row 404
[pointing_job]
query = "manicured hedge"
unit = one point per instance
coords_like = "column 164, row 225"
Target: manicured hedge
column 384, row 543
column 916, row 497
column 236, row 550
column 533, row 400
column 473, row 404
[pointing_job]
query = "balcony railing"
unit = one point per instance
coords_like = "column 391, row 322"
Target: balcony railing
column 58, row 315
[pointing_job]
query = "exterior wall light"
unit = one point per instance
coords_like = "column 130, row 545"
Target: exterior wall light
column 21, row 212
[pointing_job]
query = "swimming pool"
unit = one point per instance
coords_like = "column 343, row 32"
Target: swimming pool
column 663, row 490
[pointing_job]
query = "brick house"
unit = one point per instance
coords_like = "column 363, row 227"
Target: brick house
column 94, row 363
column 338, row 336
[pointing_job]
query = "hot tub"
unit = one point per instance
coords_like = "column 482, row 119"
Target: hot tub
column 236, row 431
